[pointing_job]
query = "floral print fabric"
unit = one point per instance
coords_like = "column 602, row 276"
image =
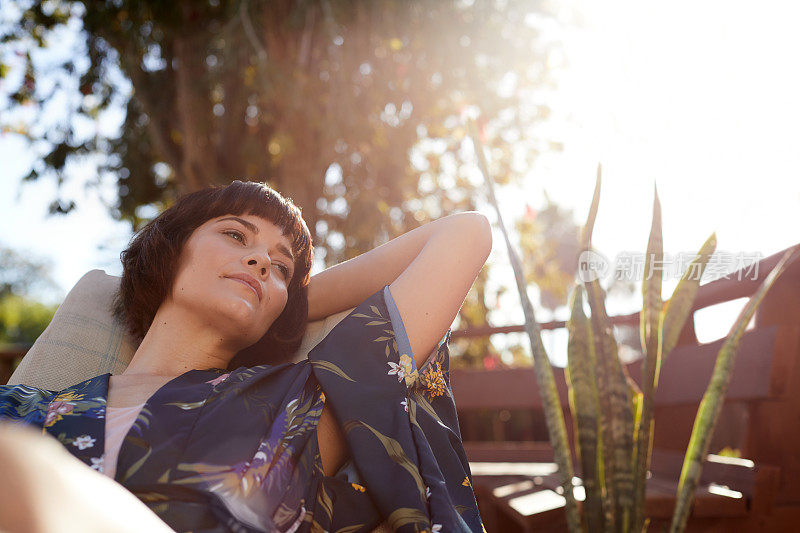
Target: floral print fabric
column 217, row 450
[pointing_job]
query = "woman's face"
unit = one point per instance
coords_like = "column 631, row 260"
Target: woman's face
column 233, row 276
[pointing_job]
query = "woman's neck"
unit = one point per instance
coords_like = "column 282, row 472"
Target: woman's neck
column 175, row 344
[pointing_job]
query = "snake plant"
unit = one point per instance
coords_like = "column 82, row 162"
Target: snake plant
column 613, row 416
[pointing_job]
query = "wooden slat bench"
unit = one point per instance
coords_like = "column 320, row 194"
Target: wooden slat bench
column 761, row 418
column 729, row 487
column 518, row 499
column 758, row 376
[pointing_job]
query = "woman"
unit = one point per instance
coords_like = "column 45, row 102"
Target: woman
column 229, row 437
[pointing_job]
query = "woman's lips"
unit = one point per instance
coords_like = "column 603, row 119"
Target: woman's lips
column 250, row 285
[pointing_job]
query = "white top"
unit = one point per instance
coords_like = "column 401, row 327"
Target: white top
column 118, row 421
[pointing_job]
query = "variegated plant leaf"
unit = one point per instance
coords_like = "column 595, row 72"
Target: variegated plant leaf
column 583, row 399
column 648, row 333
column 711, row 405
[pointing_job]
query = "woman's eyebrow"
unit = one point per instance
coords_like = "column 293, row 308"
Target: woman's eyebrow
column 249, row 225
column 252, row 227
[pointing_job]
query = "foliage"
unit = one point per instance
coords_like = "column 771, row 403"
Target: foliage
column 22, row 320
column 22, row 275
column 613, row 417
column 329, row 101
column 549, row 247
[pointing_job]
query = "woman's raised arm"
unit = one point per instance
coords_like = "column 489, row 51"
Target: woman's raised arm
column 429, row 271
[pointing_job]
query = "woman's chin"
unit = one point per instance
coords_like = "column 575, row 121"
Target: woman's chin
column 238, row 315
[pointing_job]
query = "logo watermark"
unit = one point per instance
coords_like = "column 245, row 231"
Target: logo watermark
column 592, row 265
column 630, row 266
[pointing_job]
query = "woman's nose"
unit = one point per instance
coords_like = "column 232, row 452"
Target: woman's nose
column 259, row 261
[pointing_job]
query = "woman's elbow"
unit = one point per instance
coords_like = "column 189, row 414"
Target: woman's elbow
column 481, row 232
column 471, row 229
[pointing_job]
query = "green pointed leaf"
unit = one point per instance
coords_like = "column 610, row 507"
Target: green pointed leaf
column 584, row 405
column 138, row 464
column 554, row 416
column 711, row 404
column 679, row 306
column 427, row 407
column 165, row 476
column 616, row 415
column 651, row 284
column 588, row 229
column 648, row 333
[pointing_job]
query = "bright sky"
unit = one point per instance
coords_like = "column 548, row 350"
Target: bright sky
column 700, row 97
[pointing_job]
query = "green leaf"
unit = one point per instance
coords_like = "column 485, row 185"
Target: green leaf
column 711, row 404
column 584, row 404
column 420, row 400
column 588, row 229
column 616, row 415
column 679, row 306
column 648, row 332
column 554, row 416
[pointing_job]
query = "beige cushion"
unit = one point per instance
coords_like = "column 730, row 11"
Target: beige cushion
column 84, row 340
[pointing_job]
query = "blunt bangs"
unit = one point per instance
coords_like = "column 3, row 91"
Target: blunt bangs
column 258, row 199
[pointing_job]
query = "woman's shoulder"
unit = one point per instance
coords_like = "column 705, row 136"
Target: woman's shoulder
column 372, row 340
column 375, row 324
column 368, row 322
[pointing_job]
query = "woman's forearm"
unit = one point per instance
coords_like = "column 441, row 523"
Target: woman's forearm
column 349, row 283
column 45, row 488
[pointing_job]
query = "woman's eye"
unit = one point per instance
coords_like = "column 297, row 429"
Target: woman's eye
column 284, row 269
column 235, row 235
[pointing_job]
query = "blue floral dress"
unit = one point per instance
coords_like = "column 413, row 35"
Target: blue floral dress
column 214, row 450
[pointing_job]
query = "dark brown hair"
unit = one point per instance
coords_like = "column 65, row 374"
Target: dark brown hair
column 150, row 262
